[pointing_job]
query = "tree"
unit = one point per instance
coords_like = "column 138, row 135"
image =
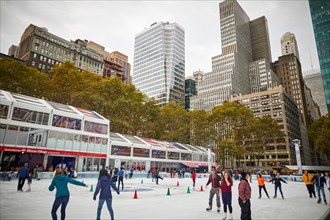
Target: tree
column 200, row 128
column 319, row 135
column 174, row 123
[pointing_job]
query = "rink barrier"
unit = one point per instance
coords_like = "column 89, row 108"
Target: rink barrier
column 140, row 175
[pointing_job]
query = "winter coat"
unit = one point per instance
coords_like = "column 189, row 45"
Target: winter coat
column 224, row 187
column 319, row 181
column 115, row 176
column 307, row 179
column 121, row 173
column 244, row 190
column 29, row 179
column 61, row 183
column 215, row 180
column 23, row 172
column 104, row 185
column 193, row 175
column 261, row 181
column 277, row 181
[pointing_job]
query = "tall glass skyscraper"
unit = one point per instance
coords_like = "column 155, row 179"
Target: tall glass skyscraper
column 159, row 62
column 320, row 12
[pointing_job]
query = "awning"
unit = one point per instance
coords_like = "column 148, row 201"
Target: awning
column 310, row 168
column 207, row 164
column 190, row 164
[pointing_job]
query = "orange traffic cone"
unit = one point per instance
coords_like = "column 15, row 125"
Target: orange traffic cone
column 177, row 184
column 202, row 188
column 135, row 195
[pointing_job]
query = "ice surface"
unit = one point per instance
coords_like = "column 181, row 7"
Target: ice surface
column 153, row 203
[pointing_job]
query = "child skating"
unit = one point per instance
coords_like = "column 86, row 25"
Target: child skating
column 278, row 185
column 261, row 184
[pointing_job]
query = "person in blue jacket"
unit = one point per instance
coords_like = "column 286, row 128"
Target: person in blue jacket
column 60, row 182
column 104, row 184
column 121, row 178
column 22, row 174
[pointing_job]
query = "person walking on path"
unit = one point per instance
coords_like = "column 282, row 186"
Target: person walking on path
column 261, row 184
column 320, row 181
column 193, row 177
column 22, row 174
column 60, row 182
column 225, row 186
column 121, row 178
column 277, row 180
column 103, row 186
column 244, row 192
column 215, row 179
column 29, row 179
column 307, row 178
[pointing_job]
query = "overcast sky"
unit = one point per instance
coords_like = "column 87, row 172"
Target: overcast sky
column 114, row 24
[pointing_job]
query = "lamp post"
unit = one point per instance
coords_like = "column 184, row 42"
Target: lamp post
column 209, row 158
column 296, row 143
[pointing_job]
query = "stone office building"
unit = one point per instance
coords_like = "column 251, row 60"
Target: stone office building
column 42, row 49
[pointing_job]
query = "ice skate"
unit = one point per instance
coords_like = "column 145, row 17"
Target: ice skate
column 209, row 208
column 319, row 201
column 218, row 210
column 230, row 216
column 225, row 218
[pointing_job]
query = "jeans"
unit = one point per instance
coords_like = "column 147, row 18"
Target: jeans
column 245, row 209
column 99, row 208
column 121, row 179
column 21, row 182
column 319, row 190
column 212, row 192
column 226, row 200
column 263, row 187
column 62, row 200
column 280, row 188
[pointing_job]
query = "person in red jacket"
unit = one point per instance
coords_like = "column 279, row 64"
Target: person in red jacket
column 225, row 186
column 215, row 180
column 244, row 192
column 193, row 177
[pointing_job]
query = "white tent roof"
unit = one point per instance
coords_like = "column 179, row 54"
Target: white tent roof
column 295, row 167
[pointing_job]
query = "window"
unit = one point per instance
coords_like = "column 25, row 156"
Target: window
column 120, row 150
column 4, row 111
column 158, row 154
column 33, row 63
column 96, row 127
column 34, row 55
column 66, row 122
column 173, row 155
column 140, row 152
column 25, row 115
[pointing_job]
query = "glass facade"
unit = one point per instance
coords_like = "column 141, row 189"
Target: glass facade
column 159, row 62
column 320, row 12
column 190, row 90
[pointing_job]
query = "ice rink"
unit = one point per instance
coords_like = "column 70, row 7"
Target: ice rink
column 154, row 203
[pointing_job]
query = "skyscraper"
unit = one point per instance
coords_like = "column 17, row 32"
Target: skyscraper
column 159, row 62
column 320, row 12
column 289, row 44
column 245, row 57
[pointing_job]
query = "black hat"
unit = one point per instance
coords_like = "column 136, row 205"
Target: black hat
column 244, row 174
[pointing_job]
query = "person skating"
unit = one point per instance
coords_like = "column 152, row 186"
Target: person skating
column 261, row 184
column 157, row 176
column 244, row 192
column 320, row 181
column 225, row 186
column 277, row 180
column 215, row 179
column 115, row 175
column 22, row 174
column 60, row 182
column 327, row 177
column 193, row 177
column 307, row 178
column 121, row 178
column 29, row 179
column 103, row 186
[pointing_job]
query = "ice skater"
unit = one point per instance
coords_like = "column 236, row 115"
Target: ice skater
column 104, row 184
column 29, row 179
column 320, row 181
column 307, row 178
column 226, row 184
column 193, row 177
column 244, row 192
column 157, row 176
column 22, row 174
column 215, row 179
column 277, row 180
column 121, row 178
column 261, row 184
column 60, row 182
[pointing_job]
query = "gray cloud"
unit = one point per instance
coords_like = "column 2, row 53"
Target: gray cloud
column 114, row 24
